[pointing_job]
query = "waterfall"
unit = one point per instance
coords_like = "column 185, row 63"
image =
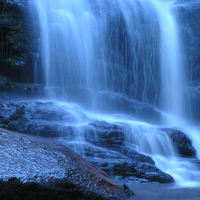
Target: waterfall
column 103, row 51
column 97, row 51
column 171, row 63
column 119, row 57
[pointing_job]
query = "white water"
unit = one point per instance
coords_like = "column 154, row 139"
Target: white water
column 153, row 141
column 92, row 50
column 172, row 68
column 106, row 54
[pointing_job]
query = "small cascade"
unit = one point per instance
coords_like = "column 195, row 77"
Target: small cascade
column 157, row 144
column 173, row 100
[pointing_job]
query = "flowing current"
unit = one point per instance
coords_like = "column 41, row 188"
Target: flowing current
column 121, row 61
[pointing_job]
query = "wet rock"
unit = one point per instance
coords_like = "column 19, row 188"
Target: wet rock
column 112, row 137
column 182, row 142
column 46, row 167
column 49, row 130
column 193, row 93
column 20, row 111
column 138, row 157
column 16, row 121
column 41, row 119
column 101, row 133
column 188, row 17
column 128, row 192
column 125, row 105
column 13, row 90
column 17, row 124
column 117, row 164
column 143, row 171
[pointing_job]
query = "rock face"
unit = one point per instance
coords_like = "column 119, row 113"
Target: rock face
column 182, row 142
column 15, row 90
column 48, row 163
column 19, row 41
column 101, row 143
column 188, row 17
column 42, row 119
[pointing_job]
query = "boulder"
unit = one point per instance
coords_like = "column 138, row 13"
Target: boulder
column 38, row 118
column 45, row 166
column 112, row 137
column 142, row 171
column 182, row 142
column 138, row 157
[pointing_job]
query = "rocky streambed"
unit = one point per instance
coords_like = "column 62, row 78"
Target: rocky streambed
column 101, row 143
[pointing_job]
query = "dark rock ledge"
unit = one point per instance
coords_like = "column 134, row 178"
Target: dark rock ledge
column 35, row 168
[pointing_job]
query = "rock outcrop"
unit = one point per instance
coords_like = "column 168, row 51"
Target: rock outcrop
column 182, row 142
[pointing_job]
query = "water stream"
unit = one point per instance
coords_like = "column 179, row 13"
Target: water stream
column 121, row 57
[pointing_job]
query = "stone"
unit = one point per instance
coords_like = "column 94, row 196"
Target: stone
column 37, row 118
column 101, row 133
column 46, row 166
column 121, row 165
column 14, row 90
column 182, row 142
column 142, row 171
column 112, row 137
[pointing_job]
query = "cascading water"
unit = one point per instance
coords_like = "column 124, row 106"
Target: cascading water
column 119, row 57
column 94, row 52
column 171, row 63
